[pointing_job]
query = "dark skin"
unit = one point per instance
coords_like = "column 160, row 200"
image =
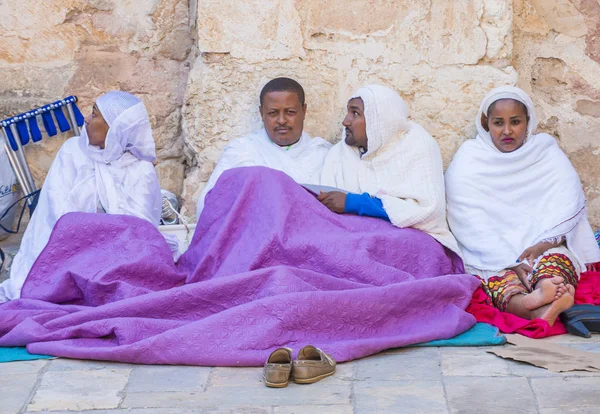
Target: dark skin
column 96, row 128
column 355, row 125
column 506, row 122
column 356, row 136
column 283, row 116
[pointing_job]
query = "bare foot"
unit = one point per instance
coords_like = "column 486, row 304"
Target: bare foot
column 546, row 291
column 550, row 312
column 561, row 290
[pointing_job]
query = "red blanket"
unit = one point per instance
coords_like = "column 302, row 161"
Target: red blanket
column 588, row 291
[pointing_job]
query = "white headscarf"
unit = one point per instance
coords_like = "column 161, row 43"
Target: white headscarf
column 402, row 166
column 499, row 204
column 129, row 129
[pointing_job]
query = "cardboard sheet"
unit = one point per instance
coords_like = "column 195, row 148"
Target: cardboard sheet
column 553, row 357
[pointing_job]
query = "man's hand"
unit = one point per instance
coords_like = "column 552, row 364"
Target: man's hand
column 333, row 200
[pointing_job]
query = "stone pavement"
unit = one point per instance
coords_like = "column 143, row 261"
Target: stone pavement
column 411, row 380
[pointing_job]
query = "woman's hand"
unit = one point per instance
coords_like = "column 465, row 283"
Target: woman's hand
column 535, row 251
column 523, row 271
column 333, row 200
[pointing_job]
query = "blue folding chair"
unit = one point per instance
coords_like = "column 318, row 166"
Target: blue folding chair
column 20, row 130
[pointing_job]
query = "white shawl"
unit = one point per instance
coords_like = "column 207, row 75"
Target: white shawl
column 499, row 203
column 119, row 179
column 301, row 161
column 403, row 166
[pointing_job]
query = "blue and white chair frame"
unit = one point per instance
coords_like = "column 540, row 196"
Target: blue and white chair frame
column 20, row 130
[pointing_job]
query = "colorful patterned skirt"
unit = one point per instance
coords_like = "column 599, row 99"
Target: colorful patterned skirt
column 500, row 289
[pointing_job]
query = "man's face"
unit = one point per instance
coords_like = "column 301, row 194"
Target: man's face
column 283, row 117
column 355, row 124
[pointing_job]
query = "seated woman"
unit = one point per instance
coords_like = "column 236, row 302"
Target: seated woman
column 108, row 169
column 391, row 167
column 517, row 209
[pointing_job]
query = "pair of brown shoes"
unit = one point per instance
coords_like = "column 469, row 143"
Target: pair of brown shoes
column 311, row 366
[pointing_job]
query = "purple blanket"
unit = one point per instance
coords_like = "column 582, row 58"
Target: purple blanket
column 268, row 266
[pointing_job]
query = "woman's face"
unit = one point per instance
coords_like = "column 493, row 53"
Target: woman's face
column 507, row 124
column 96, row 128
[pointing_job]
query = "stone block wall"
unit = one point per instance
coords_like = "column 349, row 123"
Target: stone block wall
column 199, row 66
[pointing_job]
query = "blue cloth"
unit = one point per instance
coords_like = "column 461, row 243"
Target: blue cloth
column 49, row 123
column 365, row 205
column 78, row 116
column 63, row 124
column 23, row 132
column 11, row 138
column 481, row 334
column 19, row 354
column 36, row 134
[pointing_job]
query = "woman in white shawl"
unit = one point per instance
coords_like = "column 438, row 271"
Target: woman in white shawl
column 391, row 167
column 108, row 169
column 517, row 209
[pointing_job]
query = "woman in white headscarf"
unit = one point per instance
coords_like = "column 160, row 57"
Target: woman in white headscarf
column 517, row 209
column 108, row 169
column 391, row 167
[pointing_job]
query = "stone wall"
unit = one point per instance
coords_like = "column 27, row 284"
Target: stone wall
column 200, row 65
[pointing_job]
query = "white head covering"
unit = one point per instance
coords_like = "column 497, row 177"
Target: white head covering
column 402, row 166
column 129, row 129
column 499, row 204
column 505, row 92
column 386, row 115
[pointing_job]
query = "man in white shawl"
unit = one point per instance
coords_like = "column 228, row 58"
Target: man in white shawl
column 517, row 209
column 281, row 145
column 108, row 169
column 390, row 166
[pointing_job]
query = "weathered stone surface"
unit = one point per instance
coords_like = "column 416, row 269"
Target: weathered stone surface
column 15, row 390
column 583, row 392
column 472, row 362
column 400, row 397
column 171, row 174
column 467, row 396
column 167, row 378
column 405, row 364
column 199, row 67
column 252, row 30
column 321, row 409
column 562, row 16
column 79, row 390
column 66, row 364
column 330, row 391
column 23, row 367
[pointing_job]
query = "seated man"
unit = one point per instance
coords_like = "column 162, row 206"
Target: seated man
column 108, row 169
column 391, row 167
column 281, row 145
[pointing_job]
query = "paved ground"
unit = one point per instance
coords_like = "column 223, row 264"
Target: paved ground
column 413, row 380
